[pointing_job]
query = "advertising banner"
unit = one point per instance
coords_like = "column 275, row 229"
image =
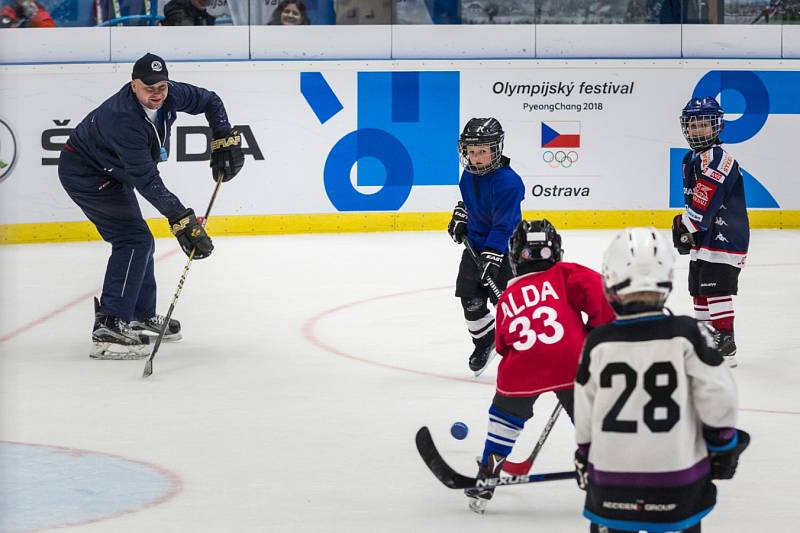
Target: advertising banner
column 380, row 137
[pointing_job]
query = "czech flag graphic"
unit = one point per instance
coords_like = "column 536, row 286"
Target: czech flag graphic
column 564, row 134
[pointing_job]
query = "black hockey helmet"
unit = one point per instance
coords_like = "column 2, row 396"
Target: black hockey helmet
column 534, row 246
column 481, row 132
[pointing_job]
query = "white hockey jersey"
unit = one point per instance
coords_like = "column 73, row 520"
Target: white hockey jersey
column 647, row 388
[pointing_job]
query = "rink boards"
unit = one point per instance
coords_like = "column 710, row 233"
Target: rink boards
column 370, row 145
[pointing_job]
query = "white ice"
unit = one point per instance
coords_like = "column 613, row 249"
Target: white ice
column 309, row 362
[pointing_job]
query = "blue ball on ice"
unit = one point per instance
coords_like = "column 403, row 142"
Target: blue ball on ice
column 459, row 430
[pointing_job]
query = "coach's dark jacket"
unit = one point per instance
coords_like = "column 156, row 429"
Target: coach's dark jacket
column 119, row 142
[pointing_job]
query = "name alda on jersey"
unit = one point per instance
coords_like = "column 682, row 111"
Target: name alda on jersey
column 531, row 297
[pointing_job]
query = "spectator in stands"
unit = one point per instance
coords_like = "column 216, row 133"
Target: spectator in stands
column 25, row 14
column 290, row 13
column 187, row 13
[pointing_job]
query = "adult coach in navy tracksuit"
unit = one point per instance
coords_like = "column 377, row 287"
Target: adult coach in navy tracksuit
column 492, row 193
column 114, row 151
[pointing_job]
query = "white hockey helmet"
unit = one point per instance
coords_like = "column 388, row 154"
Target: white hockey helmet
column 638, row 260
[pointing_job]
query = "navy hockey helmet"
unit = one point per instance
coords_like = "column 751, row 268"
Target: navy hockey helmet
column 481, row 132
column 701, row 123
column 534, row 246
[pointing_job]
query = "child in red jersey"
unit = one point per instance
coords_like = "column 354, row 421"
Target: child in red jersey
column 540, row 334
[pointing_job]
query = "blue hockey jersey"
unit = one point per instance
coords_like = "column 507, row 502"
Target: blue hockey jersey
column 715, row 208
column 493, row 206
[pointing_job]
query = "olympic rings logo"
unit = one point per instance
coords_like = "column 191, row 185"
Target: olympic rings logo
column 560, row 158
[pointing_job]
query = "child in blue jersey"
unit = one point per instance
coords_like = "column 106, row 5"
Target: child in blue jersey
column 713, row 228
column 487, row 216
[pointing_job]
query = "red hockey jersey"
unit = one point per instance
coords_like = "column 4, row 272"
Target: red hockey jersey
column 540, row 330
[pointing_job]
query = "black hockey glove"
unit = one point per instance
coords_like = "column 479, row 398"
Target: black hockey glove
column 191, row 235
column 227, row 155
column 458, row 223
column 581, row 469
column 723, row 464
column 490, row 265
column 682, row 239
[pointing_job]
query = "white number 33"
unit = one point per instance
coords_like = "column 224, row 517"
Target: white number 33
column 522, row 325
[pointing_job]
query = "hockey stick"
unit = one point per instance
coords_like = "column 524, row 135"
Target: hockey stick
column 489, row 281
column 453, row 480
column 148, row 366
column 520, row 469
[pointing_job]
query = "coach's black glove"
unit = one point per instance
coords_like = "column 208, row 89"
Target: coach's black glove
column 724, row 463
column 458, row 223
column 581, row 469
column 191, row 235
column 227, row 156
column 490, row 265
column 682, row 238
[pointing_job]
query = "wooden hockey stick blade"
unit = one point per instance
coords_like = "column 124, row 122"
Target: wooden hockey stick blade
column 453, row 480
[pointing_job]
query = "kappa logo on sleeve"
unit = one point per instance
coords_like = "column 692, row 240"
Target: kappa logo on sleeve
column 710, row 173
column 703, row 194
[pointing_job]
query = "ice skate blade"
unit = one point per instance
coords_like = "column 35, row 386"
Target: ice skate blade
column 118, row 352
column 489, row 360
column 731, row 361
column 478, row 505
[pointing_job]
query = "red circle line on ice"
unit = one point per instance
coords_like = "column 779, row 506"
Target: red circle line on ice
column 311, row 336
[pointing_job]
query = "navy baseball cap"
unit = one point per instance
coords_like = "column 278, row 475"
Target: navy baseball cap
column 151, row 69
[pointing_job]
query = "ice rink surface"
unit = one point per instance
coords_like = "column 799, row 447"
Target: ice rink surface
column 308, row 363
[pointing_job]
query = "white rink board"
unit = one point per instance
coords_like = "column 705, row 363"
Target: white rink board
column 623, row 159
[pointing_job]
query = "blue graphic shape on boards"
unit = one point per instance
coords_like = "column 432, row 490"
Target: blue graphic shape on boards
column 407, row 134
column 358, row 146
column 319, row 95
column 754, row 95
column 421, row 110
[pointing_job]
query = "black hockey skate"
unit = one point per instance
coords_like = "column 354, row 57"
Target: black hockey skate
column 483, row 354
column 479, row 497
column 152, row 327
column 727, row 347
column 113, row 338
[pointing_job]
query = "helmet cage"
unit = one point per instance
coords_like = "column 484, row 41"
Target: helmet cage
column 699, row 142
column 495, row 147
column 480, row 132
